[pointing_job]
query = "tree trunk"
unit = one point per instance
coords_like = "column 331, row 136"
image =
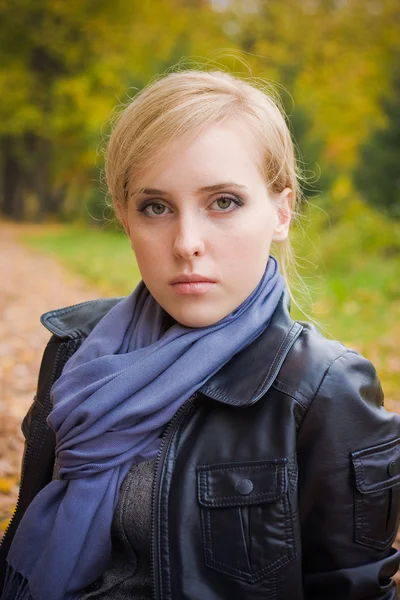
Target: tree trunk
column 12, row 205
column 48, row 203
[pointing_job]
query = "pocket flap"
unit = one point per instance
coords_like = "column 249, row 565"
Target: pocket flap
column 241, row 484
column 377, row 468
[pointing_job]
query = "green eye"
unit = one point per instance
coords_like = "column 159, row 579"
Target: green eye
column 224, row 203
column 158, row 209
column 153, row 209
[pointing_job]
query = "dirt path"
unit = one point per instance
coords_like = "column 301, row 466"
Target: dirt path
column 30, row 284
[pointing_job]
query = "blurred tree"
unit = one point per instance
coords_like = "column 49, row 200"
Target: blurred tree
column 377, row 174
column 64, row 67
column 332, row 56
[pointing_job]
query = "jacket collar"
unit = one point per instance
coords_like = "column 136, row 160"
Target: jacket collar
column 241, row 382
column 251, row 372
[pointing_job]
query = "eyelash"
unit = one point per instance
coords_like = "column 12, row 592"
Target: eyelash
column 146, row 204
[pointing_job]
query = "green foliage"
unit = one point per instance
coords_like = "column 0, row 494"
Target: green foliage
column 65, row 65
column 331, row 56
column 377, row 175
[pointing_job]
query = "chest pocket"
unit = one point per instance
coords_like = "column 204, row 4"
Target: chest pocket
column 377, row 494
column 246, row 518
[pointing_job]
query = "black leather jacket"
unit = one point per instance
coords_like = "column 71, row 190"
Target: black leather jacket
column 279, row 479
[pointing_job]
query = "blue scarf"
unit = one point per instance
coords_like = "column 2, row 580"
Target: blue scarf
column 114, row 398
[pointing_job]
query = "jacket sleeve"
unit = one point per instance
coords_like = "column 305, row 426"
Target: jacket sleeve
column 38, row 456
column 349, row 486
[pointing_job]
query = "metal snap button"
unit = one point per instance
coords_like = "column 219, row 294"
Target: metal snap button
column 245, row 487
column 394, row 468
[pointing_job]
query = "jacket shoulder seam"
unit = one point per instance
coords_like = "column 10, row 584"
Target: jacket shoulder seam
column 346, row 351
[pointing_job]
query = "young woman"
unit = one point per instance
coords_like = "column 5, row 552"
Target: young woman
column 199, row 443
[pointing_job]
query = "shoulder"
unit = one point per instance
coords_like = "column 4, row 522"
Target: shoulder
column 339, row 396
column 348, row 457
column 69, row 326
column 77, row 321
column 317, row 365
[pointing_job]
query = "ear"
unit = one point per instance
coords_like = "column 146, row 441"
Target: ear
column 284, row 208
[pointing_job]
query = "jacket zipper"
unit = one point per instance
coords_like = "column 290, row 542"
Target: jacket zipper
column 37, row 435
column 160, row 459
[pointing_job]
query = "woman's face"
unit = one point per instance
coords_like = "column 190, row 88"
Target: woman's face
column 202, row 229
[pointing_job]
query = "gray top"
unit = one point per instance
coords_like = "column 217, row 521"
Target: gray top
column 128, row 576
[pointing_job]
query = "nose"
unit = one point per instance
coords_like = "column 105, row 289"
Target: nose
column 188, row 240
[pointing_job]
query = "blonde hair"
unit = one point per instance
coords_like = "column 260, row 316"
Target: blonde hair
column 178, row 105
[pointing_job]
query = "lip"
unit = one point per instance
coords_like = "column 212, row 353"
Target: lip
column 192, row 288
column 192, row 285
column 192, row 278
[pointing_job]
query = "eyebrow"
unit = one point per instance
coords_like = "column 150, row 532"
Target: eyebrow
column 206, row 189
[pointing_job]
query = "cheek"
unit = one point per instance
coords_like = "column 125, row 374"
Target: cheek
column 242, row 259
column 251, row 240
column 149, row 252
column 144, row 240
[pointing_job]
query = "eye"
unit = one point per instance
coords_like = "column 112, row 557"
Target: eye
column 226, row 203
column 157, row 209
column 154, row 209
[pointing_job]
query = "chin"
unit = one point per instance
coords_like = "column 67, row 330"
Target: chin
column 197, row 318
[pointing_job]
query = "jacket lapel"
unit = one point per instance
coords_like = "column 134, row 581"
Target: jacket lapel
column 249, row 374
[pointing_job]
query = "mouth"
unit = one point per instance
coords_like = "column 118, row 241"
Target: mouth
column 192, row 278
column 193, row 284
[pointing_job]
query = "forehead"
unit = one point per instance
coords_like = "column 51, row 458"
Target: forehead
column 219, row 152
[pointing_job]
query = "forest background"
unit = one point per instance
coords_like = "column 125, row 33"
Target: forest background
column 336, row 66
